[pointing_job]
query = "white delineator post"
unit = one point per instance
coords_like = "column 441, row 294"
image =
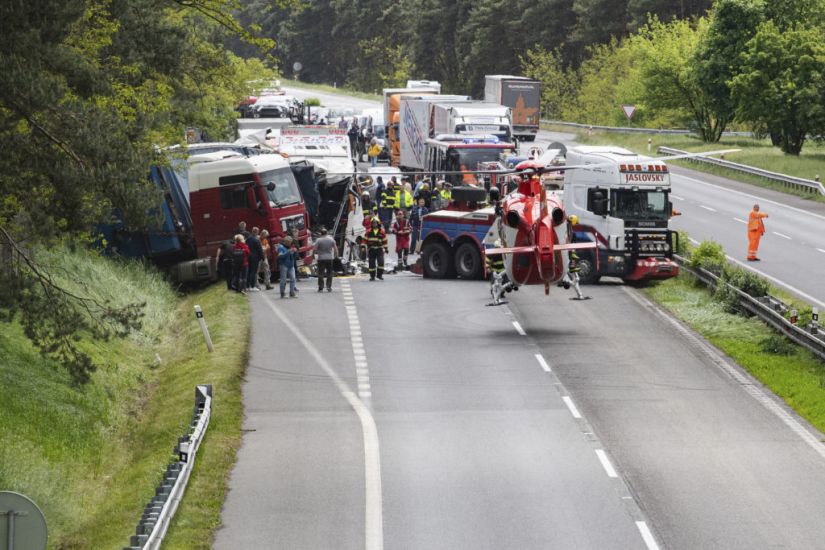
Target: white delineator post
column 204, row 329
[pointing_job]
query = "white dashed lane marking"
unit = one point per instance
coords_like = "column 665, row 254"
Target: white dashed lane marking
column 647, row 536
column 781, row 235
column 708, row 208
column 608, row 467
column 518, row 328
column 740, row 220
column 542, row 362
column 572, row 406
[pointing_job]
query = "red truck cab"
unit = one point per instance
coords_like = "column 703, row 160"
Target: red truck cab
column 226, row 188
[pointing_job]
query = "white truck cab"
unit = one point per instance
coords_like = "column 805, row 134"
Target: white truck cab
column 622, row 199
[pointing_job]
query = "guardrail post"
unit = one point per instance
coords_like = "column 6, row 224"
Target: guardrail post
column 204, row 329
column 794, row 317
column 649, row 144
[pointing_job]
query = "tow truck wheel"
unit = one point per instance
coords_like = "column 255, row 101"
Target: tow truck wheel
column 468, row 261
column 587, row 271
column 438, row 261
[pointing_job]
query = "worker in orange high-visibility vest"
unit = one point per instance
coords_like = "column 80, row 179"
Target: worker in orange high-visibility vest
column 755, row 231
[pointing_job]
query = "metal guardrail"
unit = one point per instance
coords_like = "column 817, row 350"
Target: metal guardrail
column 620, row 129
column 159, row 511
column 800, row 184
column 769, row 309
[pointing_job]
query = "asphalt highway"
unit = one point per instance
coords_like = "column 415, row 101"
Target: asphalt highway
column 407, row 414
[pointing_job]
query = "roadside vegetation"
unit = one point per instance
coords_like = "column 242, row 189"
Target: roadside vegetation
column 754, row 152
column 790, row 371
column 91, row 454
column 352, row 92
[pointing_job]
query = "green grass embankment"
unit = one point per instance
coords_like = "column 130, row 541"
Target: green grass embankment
column 92, row 456
column 332, row 90
column 790, row 371
column 758, row 153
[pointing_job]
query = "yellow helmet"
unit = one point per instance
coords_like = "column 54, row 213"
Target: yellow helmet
column 574, row 219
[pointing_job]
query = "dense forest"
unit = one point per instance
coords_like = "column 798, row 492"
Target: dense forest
column 88, row 90
column 708, row 65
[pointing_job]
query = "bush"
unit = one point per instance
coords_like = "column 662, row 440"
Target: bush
column 777, row 345
column 746, row 281
column 708, row 255
column 682, row 245
column 312, row 102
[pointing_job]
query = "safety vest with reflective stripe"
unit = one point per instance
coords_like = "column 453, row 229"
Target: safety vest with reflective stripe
column 376, row 238
column 389, row 200
column 495, row 262
column 403, row 199
column 755, row 222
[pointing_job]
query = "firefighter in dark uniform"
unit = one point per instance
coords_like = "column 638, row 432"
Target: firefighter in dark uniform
column 498, row 276
column 377, row 245
column 388, row 204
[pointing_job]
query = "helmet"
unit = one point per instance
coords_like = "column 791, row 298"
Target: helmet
column 574, row 219
column 375, row 221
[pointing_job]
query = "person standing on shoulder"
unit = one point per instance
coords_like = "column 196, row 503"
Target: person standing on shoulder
column 256, row 255
column 326, row 250
column 286, row 266
column 756, row 228
column 376, row 247
column 240, row 263
column 401, row 229
column 263, row 268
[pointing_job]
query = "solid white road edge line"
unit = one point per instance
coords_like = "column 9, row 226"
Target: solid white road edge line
column 542, row 362
column 572, row 406
column 647, row 536
column 761, row 199
column 518, row 328
column 734, row 373
column 608, row 467
column 374, row 524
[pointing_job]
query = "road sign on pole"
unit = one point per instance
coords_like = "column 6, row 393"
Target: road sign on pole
column 628, row 111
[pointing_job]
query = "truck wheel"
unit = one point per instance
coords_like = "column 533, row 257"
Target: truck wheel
column 438, row 261
column 587, row 271
column 468, row 261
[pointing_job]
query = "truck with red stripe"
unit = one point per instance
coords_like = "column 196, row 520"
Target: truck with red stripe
column 622, row 201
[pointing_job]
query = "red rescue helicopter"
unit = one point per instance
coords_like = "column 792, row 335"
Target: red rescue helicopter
column 532, row 229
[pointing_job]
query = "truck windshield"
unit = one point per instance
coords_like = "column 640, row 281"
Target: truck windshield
column 470, row 159
column 628, row 204
column 286, row 190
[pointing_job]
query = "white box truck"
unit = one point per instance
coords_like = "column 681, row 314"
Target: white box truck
column 416, row 126
column 472, row 118
column 522, row 95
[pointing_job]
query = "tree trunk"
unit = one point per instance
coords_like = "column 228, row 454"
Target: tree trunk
column 792, row 142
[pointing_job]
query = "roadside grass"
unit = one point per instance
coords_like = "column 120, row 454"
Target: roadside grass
column 333, row 90
column 91, row 456
column 759, row 153
column 792, row 372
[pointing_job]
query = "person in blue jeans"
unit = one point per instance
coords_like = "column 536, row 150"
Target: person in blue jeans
column 287, row 255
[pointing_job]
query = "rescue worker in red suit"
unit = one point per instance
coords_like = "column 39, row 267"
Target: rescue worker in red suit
column 376, row 240
column 755, row 231
column 402, row 230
